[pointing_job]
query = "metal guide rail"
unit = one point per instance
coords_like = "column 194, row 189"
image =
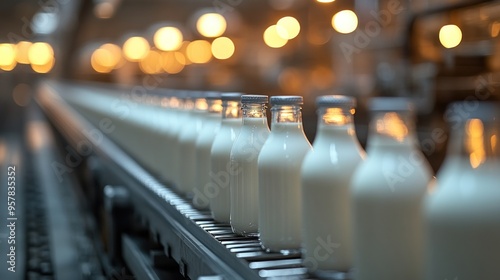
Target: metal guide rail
column 200, row 245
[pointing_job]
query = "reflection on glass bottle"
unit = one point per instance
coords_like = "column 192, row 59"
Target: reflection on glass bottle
column 326, row 176
column 220, row 169
column 462, row 213
column 244, row 178
column 280, row 161
column 387, row 192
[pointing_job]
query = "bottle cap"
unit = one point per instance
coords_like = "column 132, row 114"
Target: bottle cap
column 460, row 112
column 248, row 98
column 287, row 100
column 391, row 104
column 231, row 96
column 212, row 95
column 162, row 92
column 336, row 101
column 195, row 94
column 184, row 94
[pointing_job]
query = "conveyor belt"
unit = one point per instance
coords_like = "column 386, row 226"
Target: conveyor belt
column 201, row 246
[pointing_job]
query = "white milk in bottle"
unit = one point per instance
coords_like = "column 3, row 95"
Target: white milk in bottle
column 326, row 176
column 279, row 164
column 387, row 193
column 244, row 179
column 462, row 214
column 220, row 168
column 146, row 122
column 187, row 146
column 184, row 119
column 203, row 146
column 170, row 138
column 164, row 135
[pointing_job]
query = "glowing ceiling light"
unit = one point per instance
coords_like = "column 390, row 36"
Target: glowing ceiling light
column 151, row 64
column 135, row 48
column 291, row 25
column 222, row 48
column 104, row 10
column 7, row 57
column 40, row 53
column 345, row 21
column 22, row 49
column 168, row 38
column 173, row 62
column 44, row 68
column 325, row 1
column 104, row 58
column 450, row 36
column 211, row 25
column 100, row 61
column 199, row 51
column 272, row 36
column 114, row 54
column 183, row 51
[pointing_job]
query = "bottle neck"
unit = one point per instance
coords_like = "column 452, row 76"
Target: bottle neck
column 286, row 118
column 392, row 129
column 187, row 105
column 231, row 110
column 286, row 114
column 476, row 142
column 200, row 105
column 173, row 103
column 336, row 120
column 254, row 114
column 214, row 106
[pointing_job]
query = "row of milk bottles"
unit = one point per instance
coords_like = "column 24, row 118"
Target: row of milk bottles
column 380, row 215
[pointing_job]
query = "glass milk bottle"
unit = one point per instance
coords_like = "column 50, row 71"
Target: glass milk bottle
column 462, row 214
column 142, row 126
column 187, row 141
column 243, row 174
column 387, row 193
column 183, row 118
column 203, row 146
column 170, row 139
column 280, row 161
column 326, row 176
column 220, row 200
column 164, row 135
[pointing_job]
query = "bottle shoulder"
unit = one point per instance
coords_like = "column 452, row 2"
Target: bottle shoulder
column 392, row 176
column 291, row 149
column 333, row 158
column 224, row 140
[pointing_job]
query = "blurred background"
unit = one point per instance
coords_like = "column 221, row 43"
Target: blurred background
column 433, row 51
column 94, row 213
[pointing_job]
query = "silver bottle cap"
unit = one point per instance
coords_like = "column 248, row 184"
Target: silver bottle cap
column 342, row 101
column 249, row 98
column 487, row 111
column 212, row 95
column 391, row 104
column 231, row 96
column 287, row 100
